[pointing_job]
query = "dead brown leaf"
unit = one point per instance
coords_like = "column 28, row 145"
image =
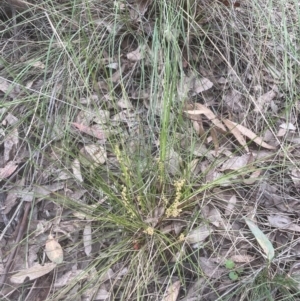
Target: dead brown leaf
column 198, row 234
column 70, row 276
column 96, row 153
column 295, row 175
column 32, row 273
column 201, row 109
column 87, row 239
column 283, row 222
column 242, row 258
column 172, row 292
column 136, row 55
column 214, row 216
column 211, row 269
column 193, row 85
column 92, row 130
column 12, row 196
column 252, row 136
column 76, row 170
column 54, row 250
column 265, row 99
column 236, row 133
column 253, row 177
column 7, row 170
column 201, row 84
column 236, row 163
column 4, row 85
column 10, row 144
column 231, row 205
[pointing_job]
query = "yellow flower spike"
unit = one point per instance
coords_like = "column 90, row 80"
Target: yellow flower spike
column 181, row 237
column 149, row 231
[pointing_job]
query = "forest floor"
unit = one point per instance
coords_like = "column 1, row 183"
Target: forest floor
column 149, row 150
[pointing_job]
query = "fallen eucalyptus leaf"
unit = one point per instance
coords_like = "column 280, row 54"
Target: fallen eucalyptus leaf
column 201, row 109
column 32, row 273
column 252, row 136
column 54, row 250
column 87, row 239
column 262, row 239
column 172, row 292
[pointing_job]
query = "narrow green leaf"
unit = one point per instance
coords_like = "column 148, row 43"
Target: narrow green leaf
column 261, row 239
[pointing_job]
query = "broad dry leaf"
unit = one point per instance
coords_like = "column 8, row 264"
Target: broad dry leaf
column 124, row 103
column 54, row 250
column 242, row 258
column 252, row 136
column 201, row 84
column 236, row 133
column 281, row 132
column 236, row 163
column 10, row 119
column 116, row 76
column 172, row 162
column 264, row 99
column 76, row 170
column 198, row 234
column 10, row 144
column 283, row 222
column 195, row 290
column 172, row 292
column 231, row 205
column 13, row 194
column 112, row 65
column 210, row 269
column 87, row 239
column 136, row 55
column 45, row 190
column 32, row 273
column 211, row 173
column 37, row 64
column 193, row 84
column 96, row 152
column 214, row 216
column 7, row 170
column 201, row 109
column 253, row 177
column 288, row 126
column 4, row 85
column 69, row 277
column 94, row 131
column 198, row 127
column 175, row 227
column 214, row 137
column 194, row 167
column 101, row 116
column 86, row 117
column 262, row 239
column 102, row 293
column 279, row 221
column 295, row 175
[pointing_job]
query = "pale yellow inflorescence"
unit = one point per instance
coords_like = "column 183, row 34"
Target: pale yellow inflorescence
column 126, row 202
column 173, row 210
column 149, row 231
column 181, row 237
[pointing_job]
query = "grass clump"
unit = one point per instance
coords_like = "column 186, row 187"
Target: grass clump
column 143, row 133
